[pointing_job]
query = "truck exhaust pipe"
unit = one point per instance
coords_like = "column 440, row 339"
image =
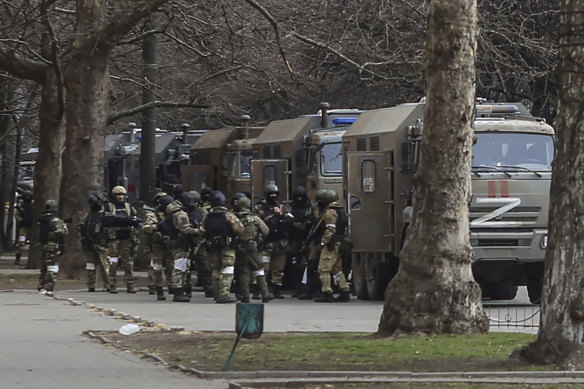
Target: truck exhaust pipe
column 324, row 107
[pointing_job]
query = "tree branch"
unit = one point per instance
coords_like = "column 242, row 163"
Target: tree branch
column 153, row 104
column 20, row 66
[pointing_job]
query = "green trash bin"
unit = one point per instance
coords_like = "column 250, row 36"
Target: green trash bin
column 249, row 319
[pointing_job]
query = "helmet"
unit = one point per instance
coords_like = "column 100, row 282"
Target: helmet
column 319, row 197
column 94, row 202
column 186, row 199
column 206, row 193
column 51, row 206
column 217, row 198
column 157, row 197
column 236, row 197
column 329, row 196
column 118, row 190
column 271, row 188
column 164, row 201
column 27, row 193
column 244, row 203
column 300, row 191
column 196, row 196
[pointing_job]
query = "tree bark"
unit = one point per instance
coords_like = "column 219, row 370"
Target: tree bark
column 561, row 333
column 434, row 290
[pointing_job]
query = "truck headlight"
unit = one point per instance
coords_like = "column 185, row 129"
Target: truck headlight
column 543, row 242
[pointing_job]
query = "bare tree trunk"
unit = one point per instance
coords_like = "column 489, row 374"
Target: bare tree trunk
column 561, row 333
column 434, row 290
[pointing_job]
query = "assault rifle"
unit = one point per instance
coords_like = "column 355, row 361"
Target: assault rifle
column 300, row 257
column 87, row 241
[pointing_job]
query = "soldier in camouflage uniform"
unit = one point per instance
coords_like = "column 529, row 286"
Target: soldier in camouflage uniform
column 198, row 251
column 330, row 263
column 247, row 254
column 205, row 198
column 24, row 216
column 52, row 232
column 178, row 232
column 278, row 220
column 221, row 228
column 95, row 239
column 124, row 248
column 160, row 257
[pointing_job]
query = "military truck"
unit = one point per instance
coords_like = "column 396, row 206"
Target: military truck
column 221, row 159
column 301, row 151
column 511, row 177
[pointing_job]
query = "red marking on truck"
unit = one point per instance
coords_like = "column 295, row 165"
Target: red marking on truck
column 492, row 188
column 504, row 188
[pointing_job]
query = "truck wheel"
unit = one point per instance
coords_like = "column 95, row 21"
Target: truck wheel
column 535, row 282
column 377, row 276
column 359, row 283
column 504, row 290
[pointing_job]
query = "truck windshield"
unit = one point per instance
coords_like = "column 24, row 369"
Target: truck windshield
column 245, row 163
column 331, row 159
column 506, row 150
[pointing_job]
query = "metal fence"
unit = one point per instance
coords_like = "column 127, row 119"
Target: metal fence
column 512, row 315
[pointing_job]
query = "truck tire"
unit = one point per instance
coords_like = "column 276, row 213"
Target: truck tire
column 359, row 277
column 504, row 290
column 378, row 273
column 535, row 281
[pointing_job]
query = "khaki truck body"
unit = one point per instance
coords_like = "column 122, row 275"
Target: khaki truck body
column 508, row 213
column 301, row 151
column 221, row 159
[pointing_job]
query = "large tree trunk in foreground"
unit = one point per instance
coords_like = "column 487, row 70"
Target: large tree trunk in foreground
column 560, row 339
column 434, row 290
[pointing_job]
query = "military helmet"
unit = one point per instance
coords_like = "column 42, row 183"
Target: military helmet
column 157, row 197
column 27, row 193
column 94, row 200
column 329, row 196
column 196, row 196
column 186, row 199
column 271, row 188
column 300, row 191
column 319, row 197
column 206, row 193
column 118, row 190
column 217, row 198
column 244, row 202
column 236, row 197
column 164, row 201
column 51, row 206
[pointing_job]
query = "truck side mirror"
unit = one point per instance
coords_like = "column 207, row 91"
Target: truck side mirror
column 408, row 157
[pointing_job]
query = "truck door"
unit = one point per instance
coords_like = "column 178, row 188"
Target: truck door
column 270, row 171
column 196, row 177
column 370, row 201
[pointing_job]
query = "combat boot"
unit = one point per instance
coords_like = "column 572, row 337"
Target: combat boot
column 264, row 291
column 91, row 289
column 226, row 300
column 209, row 293
column 179, row 296
column 130, row 288
column 151, row 290
column 113, row 290
column 343, row 297
column 276, row 291
column 255, row 291
column 160, row 294
column 244, row 299
column 325, row 298
column 17, row 259
column 188, row 290
column 170, row 290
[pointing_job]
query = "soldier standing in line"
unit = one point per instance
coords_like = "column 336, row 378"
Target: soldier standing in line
column 124, row 248
column 235, row 209
column 276, row 246
column 52, row 232
column 178, row 232
column 198, row 251
column 95, row 238
column 330, row 263
column 205, row 198
column 24, row 216
column 247, row 254
column 221, row 228
column 154, row 245
column 305, row 214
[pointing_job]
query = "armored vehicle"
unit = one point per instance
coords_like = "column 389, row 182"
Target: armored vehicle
column 302, row 151
column 221, row 159
column 509, row 209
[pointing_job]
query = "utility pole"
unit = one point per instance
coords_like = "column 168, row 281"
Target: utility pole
column 148, row 142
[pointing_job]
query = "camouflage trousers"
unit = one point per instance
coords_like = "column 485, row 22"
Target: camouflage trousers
column 97, row 260
column 274, row 262
column 121, row 252
column 23, row 234
column 331, row 264
column 49, row 269
column 222, row 264
column 202, row 267
column 249, row 265
column 181, row 268
column 161, row 266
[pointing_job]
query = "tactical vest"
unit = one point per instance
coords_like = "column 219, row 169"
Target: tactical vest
column 169, row 229
column 341, row 226
column 195, row 217
column 277, row 226
column 27, row 212
column 216, row 225
column 250, row 231
column 93, row 228
column 45, row 228
column 121, row 210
